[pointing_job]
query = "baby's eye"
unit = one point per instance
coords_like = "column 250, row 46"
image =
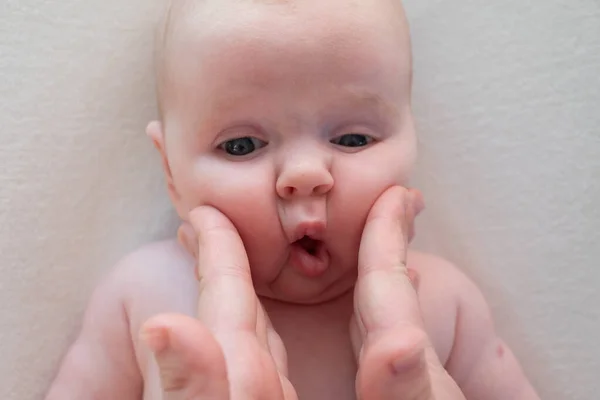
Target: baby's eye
column 352, row 140
column 242, row 146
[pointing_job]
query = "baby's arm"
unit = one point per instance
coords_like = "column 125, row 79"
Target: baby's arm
column 480, row 362
column 101, row 364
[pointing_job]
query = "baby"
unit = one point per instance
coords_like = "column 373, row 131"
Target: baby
column 287, row 140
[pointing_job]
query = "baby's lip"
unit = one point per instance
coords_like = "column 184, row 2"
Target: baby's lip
column 313, row 229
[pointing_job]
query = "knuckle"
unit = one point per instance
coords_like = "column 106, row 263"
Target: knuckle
column 225, row 272
column 386, row 265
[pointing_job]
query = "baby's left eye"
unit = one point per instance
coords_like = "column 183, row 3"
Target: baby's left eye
column 352, row 140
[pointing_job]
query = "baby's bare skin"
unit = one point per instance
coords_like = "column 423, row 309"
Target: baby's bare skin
column 291, row 120
column 160, row 278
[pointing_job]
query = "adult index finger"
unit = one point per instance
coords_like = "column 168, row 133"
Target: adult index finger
column 227, row 298
column 385, row 296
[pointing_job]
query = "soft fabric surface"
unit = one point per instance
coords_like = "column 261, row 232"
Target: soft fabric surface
column 507, row 97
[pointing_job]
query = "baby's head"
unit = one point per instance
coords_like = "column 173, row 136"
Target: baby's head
column 290, row 117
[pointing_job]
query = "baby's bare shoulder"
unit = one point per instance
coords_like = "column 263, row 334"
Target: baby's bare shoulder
column 156, row 278
column 460, row 322
column 155, row 266
column 443, row 282
column 437, row 274
column 442, row 290
column 151, row 268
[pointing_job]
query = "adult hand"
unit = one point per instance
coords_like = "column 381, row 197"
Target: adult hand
column 395, row 356
column 231, row 351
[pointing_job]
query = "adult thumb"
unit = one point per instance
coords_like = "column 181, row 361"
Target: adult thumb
column 395, row 367
column 190, row 361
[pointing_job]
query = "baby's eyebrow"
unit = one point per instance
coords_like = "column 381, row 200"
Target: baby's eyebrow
column 360, row 98
column 229, row 103
column 357, row 101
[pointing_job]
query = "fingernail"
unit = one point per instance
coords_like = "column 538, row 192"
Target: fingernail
column 193, row 244
column 181, row 238
column 407, row 363
column 197, row 272
column 173, row 375
column 156, row 338
column 418, row 203
column 420, row 206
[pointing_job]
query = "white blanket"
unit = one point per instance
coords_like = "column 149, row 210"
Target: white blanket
column 508, row 109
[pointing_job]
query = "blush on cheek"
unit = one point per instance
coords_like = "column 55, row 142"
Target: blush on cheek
column 227, row 184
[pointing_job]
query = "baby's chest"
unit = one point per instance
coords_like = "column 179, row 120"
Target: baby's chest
column 323, row 371
column 321, row 362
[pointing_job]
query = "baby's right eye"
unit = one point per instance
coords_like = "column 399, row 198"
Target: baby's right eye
column 243, row 146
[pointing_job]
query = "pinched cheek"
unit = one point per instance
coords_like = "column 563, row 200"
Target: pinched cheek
column 238, row 193
column 242, row 184
column 368, row 174
column 397, row 168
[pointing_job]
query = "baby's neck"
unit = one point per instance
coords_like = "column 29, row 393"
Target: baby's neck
column 317, row 340
column 337, row 310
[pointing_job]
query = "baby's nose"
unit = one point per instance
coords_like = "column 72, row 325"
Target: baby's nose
column 304, row 178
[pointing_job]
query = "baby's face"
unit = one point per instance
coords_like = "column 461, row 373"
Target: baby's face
column 291, row 119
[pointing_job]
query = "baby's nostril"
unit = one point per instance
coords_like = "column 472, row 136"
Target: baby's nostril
column 321, row 189
column 289, row 191
column 292, row 190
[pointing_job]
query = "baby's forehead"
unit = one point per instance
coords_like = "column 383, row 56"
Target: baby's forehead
column 185, row 17
column 201, row 32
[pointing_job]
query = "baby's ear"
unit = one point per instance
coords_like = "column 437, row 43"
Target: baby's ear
column 156, row 134
column 154, row 131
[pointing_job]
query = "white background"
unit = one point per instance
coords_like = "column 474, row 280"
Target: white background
column 507, row 98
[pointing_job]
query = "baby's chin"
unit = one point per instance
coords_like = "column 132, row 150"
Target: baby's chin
column 291, row 287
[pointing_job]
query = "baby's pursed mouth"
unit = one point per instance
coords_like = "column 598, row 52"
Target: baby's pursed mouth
column 309, row 256
column 310, row 245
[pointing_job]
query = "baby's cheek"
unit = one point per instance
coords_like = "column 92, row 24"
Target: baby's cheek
column 242, row 200
column 363, row 179
column 224, row 183
column 359, row 183
column 356, row 190
column 248, row 199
